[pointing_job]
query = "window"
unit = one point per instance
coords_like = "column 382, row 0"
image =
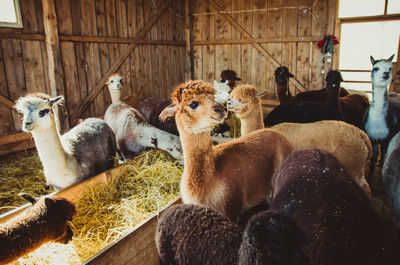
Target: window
column 10, row 14
column 368, row 27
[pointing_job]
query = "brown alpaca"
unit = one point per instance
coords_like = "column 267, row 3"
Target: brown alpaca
column 229, row 177
column 245, row 102
column 349, row 144
column 47, row 220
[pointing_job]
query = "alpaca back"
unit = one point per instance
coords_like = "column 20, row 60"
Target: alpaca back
column 92, row 144
column 337, row 218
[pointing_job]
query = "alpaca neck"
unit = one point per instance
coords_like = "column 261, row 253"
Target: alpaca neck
column 199, row 165
column 379, row 99
column 50, row 149
column 253, row 121
column 284, row 94
column 115, row 95
column 332, row 97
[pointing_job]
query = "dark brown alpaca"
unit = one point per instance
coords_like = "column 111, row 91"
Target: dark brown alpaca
column 48, row 220
column 229, row 177
column 351, row 107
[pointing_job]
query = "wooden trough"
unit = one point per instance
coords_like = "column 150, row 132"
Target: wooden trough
column 137, row 246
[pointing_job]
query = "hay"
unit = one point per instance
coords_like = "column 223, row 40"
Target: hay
column 105, row 212
column 22, row 173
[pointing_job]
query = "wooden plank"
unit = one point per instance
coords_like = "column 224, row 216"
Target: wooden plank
column 163, row 28
column 134, row 62
column 7, row 123
column 254, row 44
column 54, row 67
column 189, row 69
column 259, row 41
column 246, row 50
column 15, row 137
column 93, row 73
column 261, row 23
column 15, row 74
column 18, row 146
column 21, row 36
column 119, row 61
column 208, row 52
column 136, row 247
column 236, row 55
column 223, row 53
column 303, row 49
column 197, row 31
column 319, row 26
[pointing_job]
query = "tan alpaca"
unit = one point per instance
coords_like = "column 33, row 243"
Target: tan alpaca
column 245, row 102
column 229, row 177
column 348, row 143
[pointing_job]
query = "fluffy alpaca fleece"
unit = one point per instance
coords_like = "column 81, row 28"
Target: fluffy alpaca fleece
column 46, row 221
column 335, row 215
column 84, row 151
column 229, row 177
column 245, row 102
column 191, row 234
column 349, row 144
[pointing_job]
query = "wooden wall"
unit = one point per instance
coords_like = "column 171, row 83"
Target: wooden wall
column 92, row 33
column 279, row 26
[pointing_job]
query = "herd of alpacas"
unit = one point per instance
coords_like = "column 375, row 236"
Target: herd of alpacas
column 291, row 190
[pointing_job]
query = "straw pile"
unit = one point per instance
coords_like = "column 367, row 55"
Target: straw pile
column 21, row 173
column 147, row 184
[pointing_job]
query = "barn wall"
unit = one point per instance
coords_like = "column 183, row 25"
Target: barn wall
column 280, row 26
column 150, row 70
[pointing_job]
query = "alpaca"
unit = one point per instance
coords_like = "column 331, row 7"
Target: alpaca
column 391, row 177
column 282, row 76
column 114, row 86
column 221, row 92
column 230, row 76
column 47, row 220
column 213, row 175
column 349, row 144
column 381, row 122
column 84, row 151
column 335, row 215
column 246, row 104
column 270, row 238
column 151, row 109
column 133, row 132
column 351, row 107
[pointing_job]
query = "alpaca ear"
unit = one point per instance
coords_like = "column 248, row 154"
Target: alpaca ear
column 28, row 197
column 168, row 112
column 260, row 94
column 289, row 208
column 391, row 58
column 290, row 74
column 372, row 60
column 57, row 101
column 49, row 202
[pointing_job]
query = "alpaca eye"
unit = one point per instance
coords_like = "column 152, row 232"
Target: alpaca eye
column 375, row 69
column 194, row 105
column 112, row 81
column 43, row 112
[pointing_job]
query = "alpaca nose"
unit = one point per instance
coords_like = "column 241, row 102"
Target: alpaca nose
column 218, row 108
column 28, row 123
column 386, row 75
column 229, row 104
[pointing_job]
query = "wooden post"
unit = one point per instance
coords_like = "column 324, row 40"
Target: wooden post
column 119, row 61
column 56, row 75
column 189, row 73
column 6, row 101
column 220, row 10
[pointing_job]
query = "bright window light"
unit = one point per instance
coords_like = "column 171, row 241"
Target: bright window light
column 10, row 15
column 393, row 7
column 360, row 8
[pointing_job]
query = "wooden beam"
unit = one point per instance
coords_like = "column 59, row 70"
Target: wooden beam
column 119, row 61
column 253, row 42
column 15, row 137
column 56, row 74
column 189, row 73
column 21, row 36
column 100, row 39
column 6, row 102
column 269, row 40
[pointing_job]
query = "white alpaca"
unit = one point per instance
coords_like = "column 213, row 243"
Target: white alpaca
column 84, row 151
column 221, row 92
column 132, row 132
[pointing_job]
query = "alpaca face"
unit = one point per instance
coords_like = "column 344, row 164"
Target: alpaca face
column 282, row 75
column 114, row 82
column 333, row 80
column 243, row 99
column 381, row 72
column 38, row 114
column 200, row 114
